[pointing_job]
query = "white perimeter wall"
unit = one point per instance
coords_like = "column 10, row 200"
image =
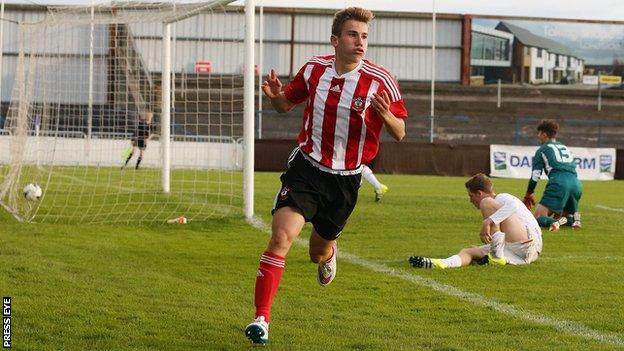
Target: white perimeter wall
column 107, row 152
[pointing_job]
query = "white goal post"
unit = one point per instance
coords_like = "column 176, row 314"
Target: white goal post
column 132, row 112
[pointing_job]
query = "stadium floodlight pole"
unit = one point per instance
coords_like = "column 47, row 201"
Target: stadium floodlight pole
column 599, row 94
column 248, row 119
column 433, row 69
column 165, row 120
column 498, row 94
column 90, row 111
column 260, row 53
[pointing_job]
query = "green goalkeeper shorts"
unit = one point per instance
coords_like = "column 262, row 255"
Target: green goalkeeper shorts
column 563, row 193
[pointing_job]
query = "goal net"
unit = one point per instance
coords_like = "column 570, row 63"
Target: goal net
column 85, row 120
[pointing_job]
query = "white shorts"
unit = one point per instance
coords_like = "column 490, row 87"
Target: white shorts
column 517, row 253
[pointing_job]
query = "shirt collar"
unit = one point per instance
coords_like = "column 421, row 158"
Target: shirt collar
column 348, row 74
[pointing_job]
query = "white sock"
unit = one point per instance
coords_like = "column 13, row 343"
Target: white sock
column 453, row 261
column 577, row 216
column 497, row 247
column 370, row 177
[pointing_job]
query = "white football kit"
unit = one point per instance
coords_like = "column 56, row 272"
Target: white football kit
column 518, row 253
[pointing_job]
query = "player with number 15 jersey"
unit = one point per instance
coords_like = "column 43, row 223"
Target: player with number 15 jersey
column 563, row 191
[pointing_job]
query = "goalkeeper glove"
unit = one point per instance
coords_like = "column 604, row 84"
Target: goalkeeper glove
column 529, row 200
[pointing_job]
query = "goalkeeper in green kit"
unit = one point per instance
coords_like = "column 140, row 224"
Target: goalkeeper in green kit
column 560, row 203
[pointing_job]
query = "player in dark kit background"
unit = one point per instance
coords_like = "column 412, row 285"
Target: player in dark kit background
column 140, row 134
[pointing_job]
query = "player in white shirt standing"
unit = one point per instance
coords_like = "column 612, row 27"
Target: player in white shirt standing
column 509, row 231
column 348, row 99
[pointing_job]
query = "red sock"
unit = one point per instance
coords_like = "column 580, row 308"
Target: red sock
column 267, row 280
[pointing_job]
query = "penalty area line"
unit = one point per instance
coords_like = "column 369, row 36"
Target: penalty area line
column 603, row 207
column 572, row 328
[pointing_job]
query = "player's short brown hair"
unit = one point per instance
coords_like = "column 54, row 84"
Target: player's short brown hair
column 478, row 182
column 350, row 13
column 548, row 127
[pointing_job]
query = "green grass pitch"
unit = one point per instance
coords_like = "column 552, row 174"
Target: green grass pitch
column 190, row 287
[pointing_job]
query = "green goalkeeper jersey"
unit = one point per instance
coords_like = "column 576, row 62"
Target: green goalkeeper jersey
column 553, row 158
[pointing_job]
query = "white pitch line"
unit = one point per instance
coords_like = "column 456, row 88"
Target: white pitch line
column 569, row 327
column 583, row 258
column 609, row 208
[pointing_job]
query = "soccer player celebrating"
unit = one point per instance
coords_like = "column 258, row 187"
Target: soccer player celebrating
column 348, row 100
column 140, row 135
column 509, row 231
column 560, row 202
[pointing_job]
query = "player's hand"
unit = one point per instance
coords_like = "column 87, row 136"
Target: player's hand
column 272, row 86
column 485, row 235
column 381, row 102
column 529, row 200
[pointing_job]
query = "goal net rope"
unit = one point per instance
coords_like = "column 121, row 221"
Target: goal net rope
column 84, row 121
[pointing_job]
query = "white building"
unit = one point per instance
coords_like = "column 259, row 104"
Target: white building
column 538, row 60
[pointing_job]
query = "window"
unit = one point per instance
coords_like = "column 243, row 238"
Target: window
column 539, row 73
column 539, row 52
column 487, row 47
column 476, row 51
column 489, row 51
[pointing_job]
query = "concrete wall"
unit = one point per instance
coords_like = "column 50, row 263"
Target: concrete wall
column 405, row 158
column 107, row 152
column 63, row 76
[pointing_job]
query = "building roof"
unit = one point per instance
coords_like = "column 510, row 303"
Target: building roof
column 529, row 39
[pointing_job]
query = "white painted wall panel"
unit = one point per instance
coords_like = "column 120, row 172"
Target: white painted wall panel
column 105, row 152
column 401, row 44
column 276, row 26
column 315, row 28
column 415, row 64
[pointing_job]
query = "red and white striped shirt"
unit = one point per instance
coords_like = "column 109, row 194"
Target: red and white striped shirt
column 340, row 127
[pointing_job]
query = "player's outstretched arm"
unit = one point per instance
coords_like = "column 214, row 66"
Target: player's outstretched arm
column 395, row 126
column 272, row 88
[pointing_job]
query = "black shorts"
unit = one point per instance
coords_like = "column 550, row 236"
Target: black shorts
column 325, row 199
column 140, row 143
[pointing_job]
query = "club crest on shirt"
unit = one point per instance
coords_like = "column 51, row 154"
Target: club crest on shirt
column 358, row 104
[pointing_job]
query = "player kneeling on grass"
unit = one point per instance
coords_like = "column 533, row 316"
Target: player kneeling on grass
column 510, row 232
column 560, row 203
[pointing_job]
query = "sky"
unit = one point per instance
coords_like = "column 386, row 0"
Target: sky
column 612, row 10
column 576, row 9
